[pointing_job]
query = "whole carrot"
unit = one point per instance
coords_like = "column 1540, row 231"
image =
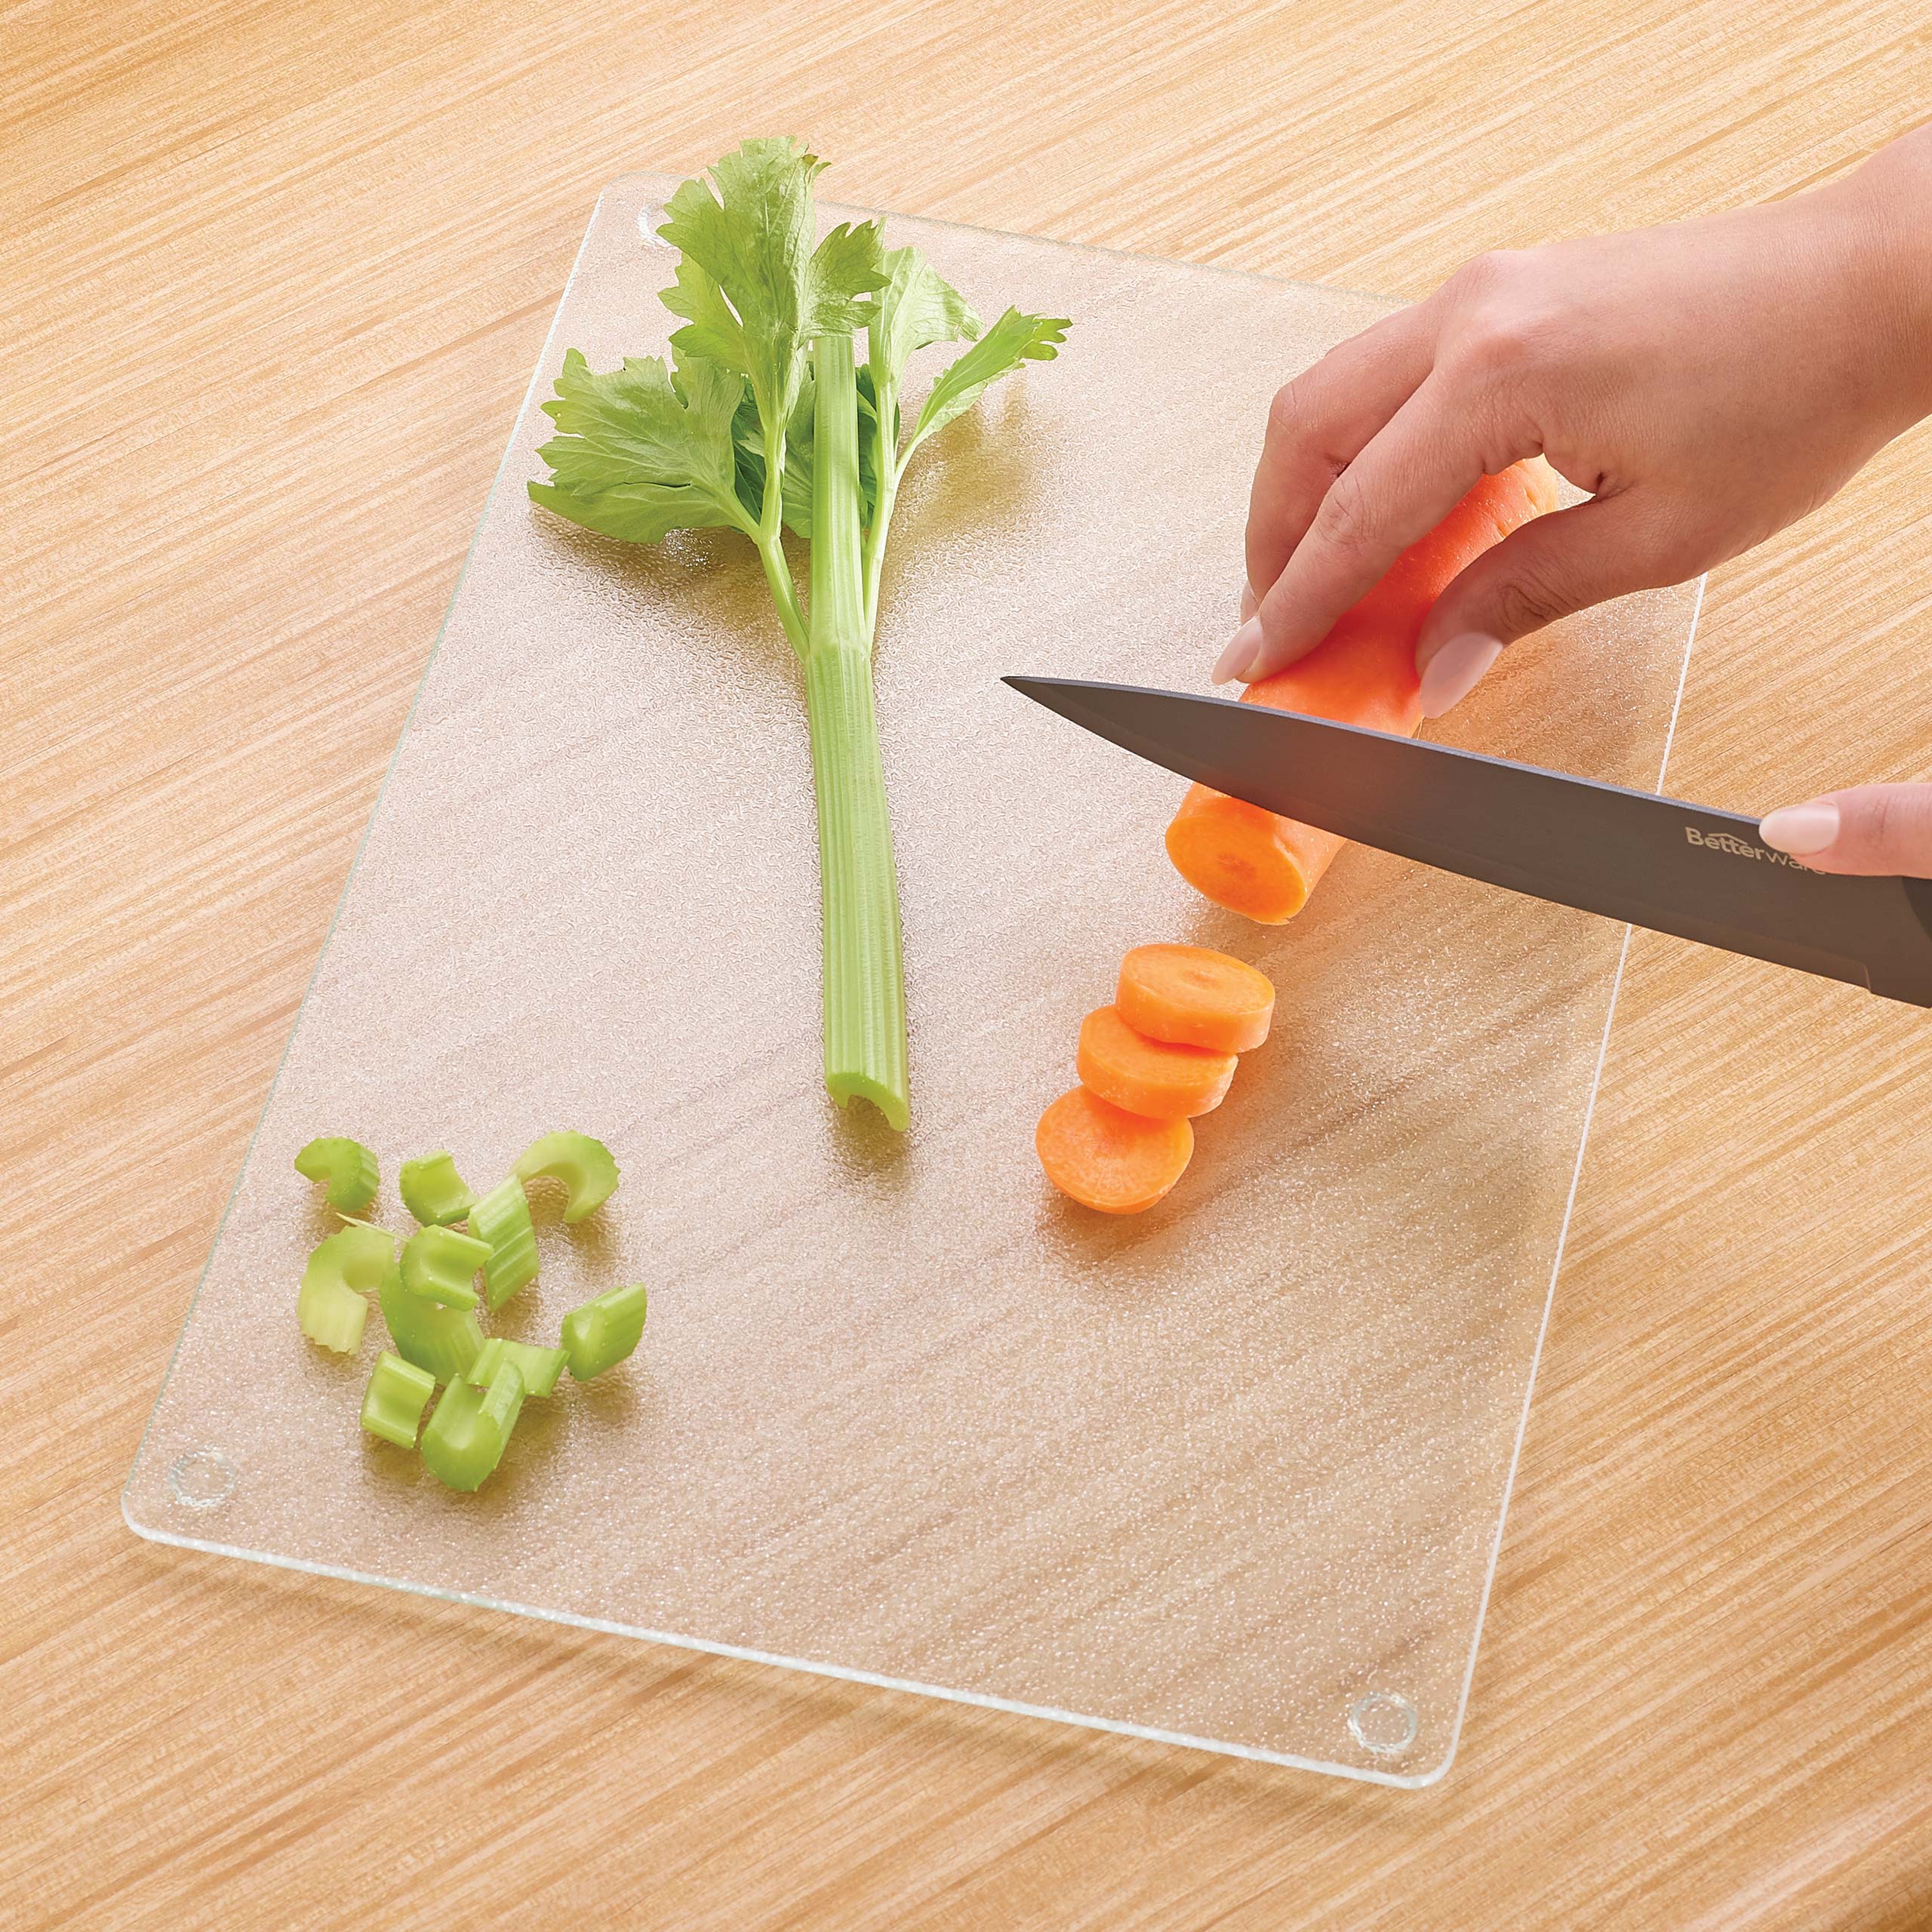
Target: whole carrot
column 1362, row 672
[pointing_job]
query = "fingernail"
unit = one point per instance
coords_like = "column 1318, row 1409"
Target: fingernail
column 1233, row 662
column 1248, row 606
column 1456, row 670
column 1801, row 830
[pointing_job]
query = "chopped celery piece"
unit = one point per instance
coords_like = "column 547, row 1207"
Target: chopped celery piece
column 332, row 1316
column 466, row 1435
column 433, row 1190
column 438, row 1263
column 341, row 1271
column 444, row 1341
column 346, row 1166
column 601, row 1333
column 539, row 1367
column 583, row 1165
column 501, row 1218
column 399, row 1392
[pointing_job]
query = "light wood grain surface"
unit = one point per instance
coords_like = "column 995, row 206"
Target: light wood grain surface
column 272, row 277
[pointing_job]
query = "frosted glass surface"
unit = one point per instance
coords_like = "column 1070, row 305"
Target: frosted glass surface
column 1233, row 1472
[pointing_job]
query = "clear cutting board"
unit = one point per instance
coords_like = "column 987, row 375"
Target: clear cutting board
column 1231, row 1474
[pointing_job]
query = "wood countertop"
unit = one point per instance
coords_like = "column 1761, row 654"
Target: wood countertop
column 272, row 278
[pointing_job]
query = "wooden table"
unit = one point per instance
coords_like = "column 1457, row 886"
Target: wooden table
column 272, row 278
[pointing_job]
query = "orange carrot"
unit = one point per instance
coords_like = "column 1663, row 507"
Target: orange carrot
column 1362, row 672
column 1194, row 998
column 1150, row 1077
column 1106, row 1158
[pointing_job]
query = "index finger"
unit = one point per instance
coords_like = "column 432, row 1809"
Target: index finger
column 1320, row 422
column 1412, row 474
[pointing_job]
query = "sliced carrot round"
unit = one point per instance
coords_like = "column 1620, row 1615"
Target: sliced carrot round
column 1193, row 996
column 1150, row 1077
column 1104, row 1157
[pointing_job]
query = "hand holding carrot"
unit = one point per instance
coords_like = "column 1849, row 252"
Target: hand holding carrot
column 1707, row 383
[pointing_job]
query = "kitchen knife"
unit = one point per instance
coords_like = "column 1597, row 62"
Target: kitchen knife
column 1635, row 856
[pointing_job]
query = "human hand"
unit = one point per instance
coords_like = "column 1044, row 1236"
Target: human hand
column 1867, row 828
column 1707, row 383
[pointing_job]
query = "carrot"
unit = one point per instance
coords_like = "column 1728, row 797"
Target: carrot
column 1106, row 1158
column 1362, row 672
column 1195, row 997
column 1150, row 1077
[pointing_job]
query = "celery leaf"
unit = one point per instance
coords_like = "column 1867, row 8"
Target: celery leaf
column 753, row 289
column 641, row 453
column 915, row 308
column 1011, row 340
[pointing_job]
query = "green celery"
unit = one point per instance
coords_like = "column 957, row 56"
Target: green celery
column 433, row 1190
column 392, row 1405
column 601, row 1333
column 343, row 1268
column 439, row 1264
column 501, row 1218
column 444, row 1341
column 864, row 986
column 539, row 1367
column 915, row 309
column 347, row 1165
column 583, row 1165
column 765, row 424
column 471, row 1427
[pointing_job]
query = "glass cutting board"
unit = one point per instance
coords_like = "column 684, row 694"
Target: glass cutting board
column 1231, row 1474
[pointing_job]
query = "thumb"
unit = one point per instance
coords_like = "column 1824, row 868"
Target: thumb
column 1554, row 564
column 1868, row 828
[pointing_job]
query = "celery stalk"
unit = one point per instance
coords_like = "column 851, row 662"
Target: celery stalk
column 471, row 1427
column 439, row 1265
column 756, row 427
column 346, row 1166
column 444, row 1341
column 433, row 1190
column 344, row 1267
column 864, row 986
column 601, row 1333
column 392, row 1405
column 583, row 1165
column 501, row 1218
column 539, row 1367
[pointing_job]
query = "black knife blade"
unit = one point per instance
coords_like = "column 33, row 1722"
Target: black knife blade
column 1637, row 857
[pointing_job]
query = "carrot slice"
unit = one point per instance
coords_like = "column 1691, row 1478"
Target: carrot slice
column 1104, row 1157
column 1362, row 672
column 1151, row 1077
column 1195, row 997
